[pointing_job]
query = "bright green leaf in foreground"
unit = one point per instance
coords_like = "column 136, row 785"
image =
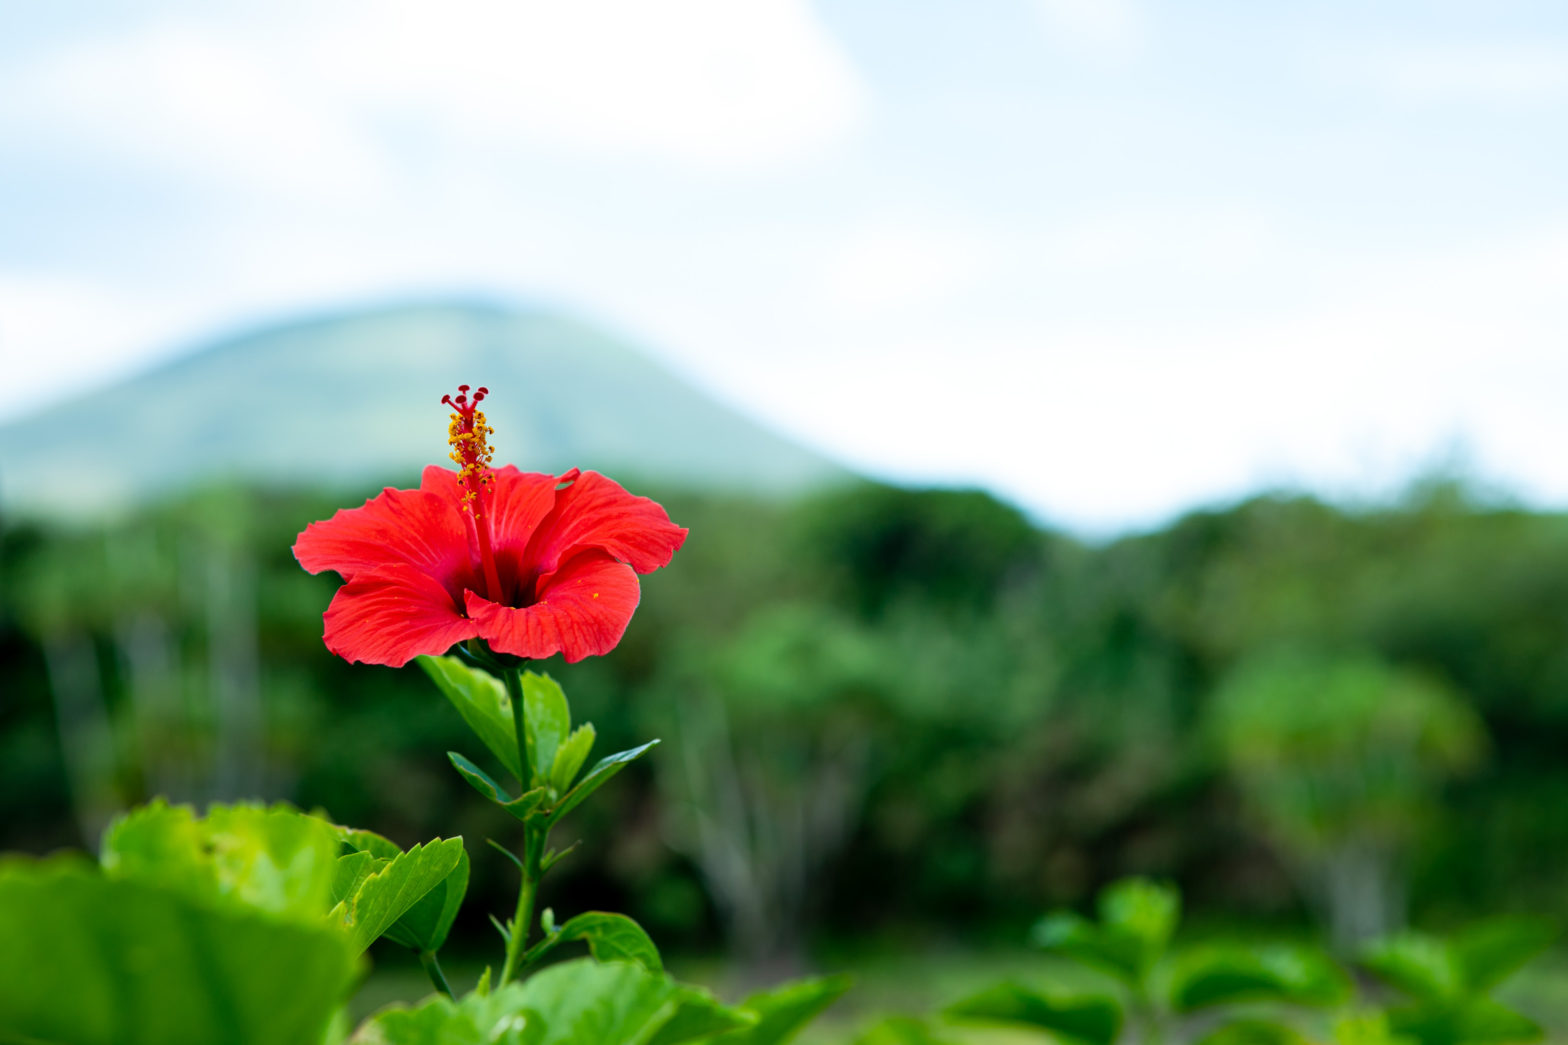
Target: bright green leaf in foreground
column 580, row 1002
column 1089, row 1019
column 94, row 960
column 783, row 1011
column 273, row 858
column 426, row 924
column 383, row 894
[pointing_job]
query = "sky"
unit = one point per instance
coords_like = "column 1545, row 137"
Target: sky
column 1112, row 259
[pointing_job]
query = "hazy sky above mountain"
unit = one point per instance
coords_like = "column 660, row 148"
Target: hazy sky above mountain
column 1111, row 259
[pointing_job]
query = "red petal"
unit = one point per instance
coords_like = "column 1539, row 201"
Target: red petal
column 596, row 512
column 583, row 610
column 392, row 615
column 413, row 527
column 519, row 501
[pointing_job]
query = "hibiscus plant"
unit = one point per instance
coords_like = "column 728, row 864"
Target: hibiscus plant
column 249, row 923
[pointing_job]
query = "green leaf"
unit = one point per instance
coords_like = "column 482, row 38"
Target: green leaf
column 571, row 756
column 1228, row 974
column 482, row 701
column 1489, row 952
column 610, row 937
column 1470, row 1021
column 521, row 807
column 575, row 1003
column 1090, row 1019
column 783, row 1011
column 597, row 777
column 1144, row 910
column 394, row 886
column 899, row 1030
column 478, row 779
column 352, row 870
column 1074, row 936
column 427, row 923
column 368, row 842
column 1137, row 918
column 95, row 960
column 700, row 1016
column 1422, row 966
column 548, row 720
column 1365, row 1027
column 1254, row 1032
column 276, row 859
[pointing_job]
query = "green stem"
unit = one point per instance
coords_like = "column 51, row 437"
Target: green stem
column 522, row 921
column 514, row 692
column 433, row 970
column 533, row 839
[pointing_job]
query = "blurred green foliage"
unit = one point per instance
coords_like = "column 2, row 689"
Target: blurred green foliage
column 879, row 706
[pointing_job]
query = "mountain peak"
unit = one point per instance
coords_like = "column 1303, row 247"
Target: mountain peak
column 355, row 397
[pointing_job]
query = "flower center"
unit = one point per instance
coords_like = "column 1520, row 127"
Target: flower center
column 468, row 434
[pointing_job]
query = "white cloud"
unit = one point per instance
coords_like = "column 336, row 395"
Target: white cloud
column 1194, row 239
column 1104, row 28
column 315, row 99
column 900, row 264
column 701, row 82
column 52, row 325
column 1496, row 71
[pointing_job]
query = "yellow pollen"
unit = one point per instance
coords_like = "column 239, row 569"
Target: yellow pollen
column 596, row 595
column 471, row 452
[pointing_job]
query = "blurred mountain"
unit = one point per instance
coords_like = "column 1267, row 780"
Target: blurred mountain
column 355, row 398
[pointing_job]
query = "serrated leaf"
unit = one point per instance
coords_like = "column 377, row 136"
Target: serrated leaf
column 575, row 1003
column 273, row 858
column 548, row 720
column 482, row 701
column 1230, row 974
column 571, row 756
column 610, row 937
column 1089, row 1019
column 95, row 960
column 1489, row 952
column 368, row 842
column 427, row 923
column 351, row 871
column 597, row 777
column 782, row 1011
column 394, row 887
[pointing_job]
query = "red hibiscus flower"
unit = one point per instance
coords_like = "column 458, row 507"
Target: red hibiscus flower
column 533, row 564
